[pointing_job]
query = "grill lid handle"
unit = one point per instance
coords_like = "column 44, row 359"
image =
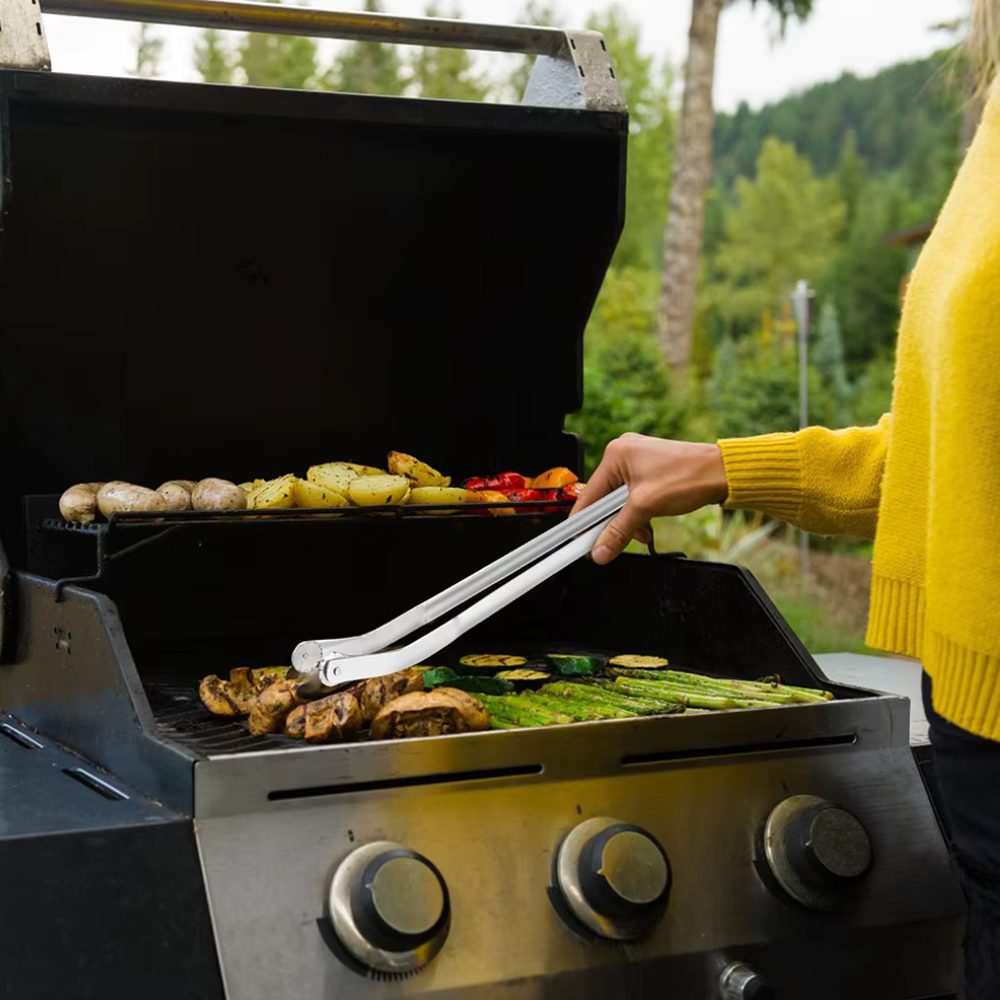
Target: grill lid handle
column 573, row 68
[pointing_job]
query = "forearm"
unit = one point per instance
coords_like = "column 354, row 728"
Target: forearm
column 826, row 482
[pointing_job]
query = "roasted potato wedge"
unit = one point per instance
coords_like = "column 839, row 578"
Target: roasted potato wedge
column 376, row 491
column 307, row 494
column 417, row 472
column 277, row 494
column 364, row 470
column 440, row 494
column 336, row 476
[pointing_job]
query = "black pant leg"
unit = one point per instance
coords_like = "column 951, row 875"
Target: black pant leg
column 968, row 770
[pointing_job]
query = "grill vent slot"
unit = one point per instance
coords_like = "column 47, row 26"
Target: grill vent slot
column 95, row 784
column 740, row 749
column 19, row 737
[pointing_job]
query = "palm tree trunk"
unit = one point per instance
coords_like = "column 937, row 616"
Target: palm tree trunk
column 692, row 169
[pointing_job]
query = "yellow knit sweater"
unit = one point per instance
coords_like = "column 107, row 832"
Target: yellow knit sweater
column 925, row 482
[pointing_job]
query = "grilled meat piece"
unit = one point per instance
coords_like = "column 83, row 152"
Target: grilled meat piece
column 215, row 696
column 377, row 692
column 430, row 713
column 336, row 717
column 242, row 689
column 295, row 722
column 272, row 706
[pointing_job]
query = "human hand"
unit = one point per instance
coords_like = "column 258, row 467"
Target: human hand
column 663, row 477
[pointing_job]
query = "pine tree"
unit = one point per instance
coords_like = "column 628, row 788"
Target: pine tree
column 828, row 360
column 286, row 61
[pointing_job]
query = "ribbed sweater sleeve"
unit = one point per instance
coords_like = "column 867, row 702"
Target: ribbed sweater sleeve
column 826, row 482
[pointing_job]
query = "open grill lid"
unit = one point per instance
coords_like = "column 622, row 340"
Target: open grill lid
column 202, row 280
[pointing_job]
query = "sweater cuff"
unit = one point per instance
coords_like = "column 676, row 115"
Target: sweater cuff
column 764, row 473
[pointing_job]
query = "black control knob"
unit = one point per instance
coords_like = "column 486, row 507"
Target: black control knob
column 389, row 907
column 739, row 982
column 614, row 877
column 816, row 850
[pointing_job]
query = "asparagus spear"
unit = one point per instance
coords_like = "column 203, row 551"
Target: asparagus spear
column 763, row 686
column 606, row 696
column 666, row 692
column 745, row 690
column 582, row 711
column 514, row 711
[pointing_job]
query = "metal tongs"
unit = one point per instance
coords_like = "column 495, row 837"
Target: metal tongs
column 335, row 662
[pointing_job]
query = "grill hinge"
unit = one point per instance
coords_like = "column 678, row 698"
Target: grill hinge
column 22, row 36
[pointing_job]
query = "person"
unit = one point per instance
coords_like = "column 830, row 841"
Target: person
column 924, row 483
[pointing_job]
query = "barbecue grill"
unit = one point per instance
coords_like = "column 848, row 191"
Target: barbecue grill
column 203, row 280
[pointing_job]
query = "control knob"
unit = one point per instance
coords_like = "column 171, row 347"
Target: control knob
column 614, row 877
column 739, row 982
column 389, row 907
column 816, row 851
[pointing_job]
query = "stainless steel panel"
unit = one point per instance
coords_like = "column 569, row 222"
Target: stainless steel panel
column 22, row 38
column 493, row 840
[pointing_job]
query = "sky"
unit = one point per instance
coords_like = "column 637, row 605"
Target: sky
column 753, row 64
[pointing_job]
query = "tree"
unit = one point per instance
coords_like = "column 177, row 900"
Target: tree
column 213, row 59
column 148, row 50
column 783, row 227
column 287, row 61
column 367, row 67
column 445, row 74
column 647, row 90
column 691, row 173
column 827, row 356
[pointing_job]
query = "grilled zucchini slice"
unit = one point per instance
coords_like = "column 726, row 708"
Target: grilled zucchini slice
column 636, row 662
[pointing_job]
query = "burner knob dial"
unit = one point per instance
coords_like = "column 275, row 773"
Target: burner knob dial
column 389, row 907
column 614, row 877
column 816, row 850
column 739, row 982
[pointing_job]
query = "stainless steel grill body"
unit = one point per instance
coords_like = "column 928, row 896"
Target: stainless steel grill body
column 490, row 813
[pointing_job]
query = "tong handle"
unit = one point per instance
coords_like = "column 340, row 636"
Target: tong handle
column 308, row 656
column 350, row 669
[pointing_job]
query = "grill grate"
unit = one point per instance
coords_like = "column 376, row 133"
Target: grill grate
column 182, row 719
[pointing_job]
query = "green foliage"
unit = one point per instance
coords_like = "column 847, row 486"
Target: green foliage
column 213, row 58
column 783, row 227
column 148, row 51
column 755, row 390
column 286, row 61
column 905, row 114
column 445, row 74
column 367, row 67
column 627, row 387
column 626, row 384
column 873, row 392
column 647, row 89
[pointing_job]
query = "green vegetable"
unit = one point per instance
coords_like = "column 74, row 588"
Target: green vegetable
column 666, row 692
column 439, row 677
column 638, row 662
column 482, row 685
column 586, row 692
column 574, row 666
column 489, row 663
column 581, row 711
column 512, row 709
column 524, row 677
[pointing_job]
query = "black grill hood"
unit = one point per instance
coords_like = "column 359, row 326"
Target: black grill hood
column 201, row 280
